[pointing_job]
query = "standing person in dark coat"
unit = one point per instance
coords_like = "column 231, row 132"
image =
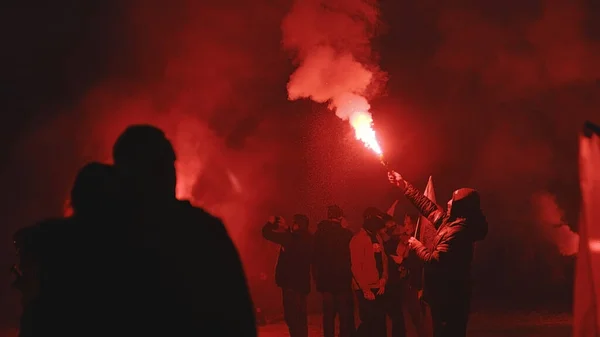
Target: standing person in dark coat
column 184, row 275
column 292, row 273
column 447, row 267
column 333, row 274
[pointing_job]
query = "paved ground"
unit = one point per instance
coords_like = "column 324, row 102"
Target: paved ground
column 481, row 325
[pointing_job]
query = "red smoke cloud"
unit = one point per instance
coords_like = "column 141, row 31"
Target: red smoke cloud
column 187, row 70
column 330, row 40
column 205, row 71
column 551, row 222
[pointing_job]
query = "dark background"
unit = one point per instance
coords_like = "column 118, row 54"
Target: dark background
column 490, row 96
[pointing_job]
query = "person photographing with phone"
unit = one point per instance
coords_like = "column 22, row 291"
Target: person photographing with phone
column 292, row 273
column 447, row 266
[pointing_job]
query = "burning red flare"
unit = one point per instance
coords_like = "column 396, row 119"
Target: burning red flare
column 355, row 109
column 363, row 129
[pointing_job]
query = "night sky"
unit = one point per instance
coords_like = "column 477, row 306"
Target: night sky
column 487, row 96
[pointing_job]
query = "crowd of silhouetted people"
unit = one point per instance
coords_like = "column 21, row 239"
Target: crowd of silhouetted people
column 132, row 259
column 382, row 268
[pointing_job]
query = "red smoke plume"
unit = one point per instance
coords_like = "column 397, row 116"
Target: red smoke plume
column 331, row 43
column 524, row 72
column 551, row 222
column 186, row 71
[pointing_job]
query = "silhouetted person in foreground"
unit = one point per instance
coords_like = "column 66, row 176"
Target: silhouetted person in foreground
column 447, row 267
column 185, row 276
column 370, row 272
column 90, row 278
column 333, row 274
column 57, row 260
column 292, row 274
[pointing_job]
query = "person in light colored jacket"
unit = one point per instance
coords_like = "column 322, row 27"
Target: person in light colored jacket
column 370, row 273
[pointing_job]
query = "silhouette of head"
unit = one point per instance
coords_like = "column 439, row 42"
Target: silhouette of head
column 409, row 225
column 94, row 191
column 374, row 220
column 334, row 212
column 465, row 201
column 145, row 159
column 466, row 204
column 390, row 223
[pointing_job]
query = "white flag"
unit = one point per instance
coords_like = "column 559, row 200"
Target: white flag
column 426, row 231
column 586, row 316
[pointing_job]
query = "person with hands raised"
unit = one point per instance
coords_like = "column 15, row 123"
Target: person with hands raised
column 447, row 266
column 292, row 273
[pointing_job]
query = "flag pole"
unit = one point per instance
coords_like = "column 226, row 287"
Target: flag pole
column 417, row 228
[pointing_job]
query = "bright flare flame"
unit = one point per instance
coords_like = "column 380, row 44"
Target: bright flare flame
column 362, row 122
column 355, row 109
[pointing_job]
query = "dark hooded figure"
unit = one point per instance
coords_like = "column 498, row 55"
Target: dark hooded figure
column 447, row 266
column 60, row 257
column 333, row 274
column 184, row 275
column 292, row 274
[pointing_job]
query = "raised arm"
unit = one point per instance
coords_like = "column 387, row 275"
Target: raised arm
column 271, row 233
column 426, row 207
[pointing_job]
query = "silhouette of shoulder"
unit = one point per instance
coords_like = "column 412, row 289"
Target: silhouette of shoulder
column 212, row 251
column 323, row 225
column 200, row 219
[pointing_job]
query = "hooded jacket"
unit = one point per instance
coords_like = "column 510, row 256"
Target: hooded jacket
column 450, row 258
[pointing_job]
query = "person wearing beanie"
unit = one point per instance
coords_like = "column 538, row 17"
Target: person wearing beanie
column 447, row 266
column 332, row 273
column 370, row 274
column 292, row 273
